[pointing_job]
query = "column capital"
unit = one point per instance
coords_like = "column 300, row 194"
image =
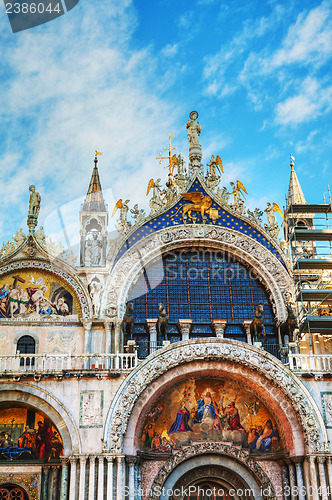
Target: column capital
column 184, row 324
column 64, row 461
column 298, row 460
column 219, row 326
column 83, row 458
column 109, row 458
column 108, row 323
column 131, row 459
column 246, row 325
column 87, row 323
column 321, row 460
column 151, row 323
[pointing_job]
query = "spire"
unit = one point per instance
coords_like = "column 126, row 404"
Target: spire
column 94, row 201
column 295, row 193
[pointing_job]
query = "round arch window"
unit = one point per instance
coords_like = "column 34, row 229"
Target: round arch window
column 12, row 492
column 26, row 345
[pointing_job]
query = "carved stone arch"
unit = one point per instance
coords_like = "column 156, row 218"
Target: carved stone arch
column 72, row 281
column 48, row 404
column 294, row 394
column 217, row 454
column 271, row 271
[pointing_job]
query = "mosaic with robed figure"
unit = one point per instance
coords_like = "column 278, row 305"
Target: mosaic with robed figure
column 27, row 435
column 34, row 294
column 209, row 409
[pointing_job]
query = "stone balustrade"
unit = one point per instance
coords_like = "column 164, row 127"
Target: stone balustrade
column 59, row 363
column 314, row 363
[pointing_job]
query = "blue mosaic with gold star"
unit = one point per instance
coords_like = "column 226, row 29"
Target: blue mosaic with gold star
column 221, row 217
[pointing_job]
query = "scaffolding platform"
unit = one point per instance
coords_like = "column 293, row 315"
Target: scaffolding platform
column 314, row 263
column 315, row 295
column 311, row 234
column 323, row 208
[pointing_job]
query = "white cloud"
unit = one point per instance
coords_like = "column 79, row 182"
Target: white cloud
column 313, row 100
column 76, row 86
column 170, row 50
column 309, row 40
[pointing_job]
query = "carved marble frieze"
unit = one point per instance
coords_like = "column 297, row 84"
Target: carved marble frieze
column 311, row 420
column 270, row 270
column 240, row 456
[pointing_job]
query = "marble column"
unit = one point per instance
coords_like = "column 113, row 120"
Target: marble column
column 54, row 482
column 185, row 326
column 87, row 336
column 313, row 486
column 64, row 479
column 246, row 326
column 322, row 477
column 300, row 483
column 100, row 492
column 108, row 336
column 329, row 472
column 292, row 481
column 151, row 326
column 82, row 476
column 72, row 485
column 285, row 480
column 219, row 326
column 118, row 347
column 45, row 489
column 109, row 487
column 120, row 478
column 92, row 462
column 131, row 476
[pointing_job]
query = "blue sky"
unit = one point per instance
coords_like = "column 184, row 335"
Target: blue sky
column 120, row 75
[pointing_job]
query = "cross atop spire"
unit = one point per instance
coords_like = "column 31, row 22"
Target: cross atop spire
column 295, row 193
column 94, row 201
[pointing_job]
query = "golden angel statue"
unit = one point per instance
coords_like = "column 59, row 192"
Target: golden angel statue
column 270, row 213
column 237, row 191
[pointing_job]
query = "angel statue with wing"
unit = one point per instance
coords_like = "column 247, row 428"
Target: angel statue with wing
column 122, row 223
column 237, row 191
column 156, row 202
column 272, row 226
column 270, row 213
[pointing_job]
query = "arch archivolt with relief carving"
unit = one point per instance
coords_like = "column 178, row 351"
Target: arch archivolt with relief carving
column 282, row 392
column 271, row 271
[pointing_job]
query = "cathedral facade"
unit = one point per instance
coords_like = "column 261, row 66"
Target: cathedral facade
column 186, row 356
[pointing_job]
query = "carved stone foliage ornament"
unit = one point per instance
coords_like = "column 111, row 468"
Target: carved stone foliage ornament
column 269, row 269
column 223, row 350
column 243, row 457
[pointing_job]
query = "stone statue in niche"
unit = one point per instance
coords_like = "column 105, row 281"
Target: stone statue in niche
column 94, row 245
column 96, row 289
